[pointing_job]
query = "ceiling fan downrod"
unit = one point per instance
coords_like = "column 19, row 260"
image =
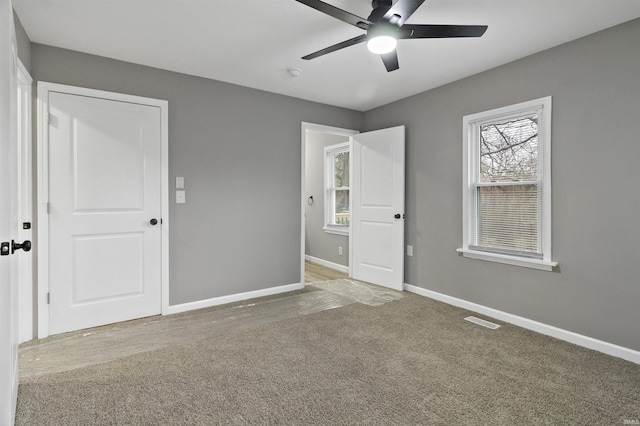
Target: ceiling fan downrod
column 380, row 8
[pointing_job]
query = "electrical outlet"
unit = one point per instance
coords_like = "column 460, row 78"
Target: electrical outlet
column 409, row 250
column 340, row 251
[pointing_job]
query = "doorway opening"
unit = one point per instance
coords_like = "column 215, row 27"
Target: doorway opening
column 366, row 210
column 326, row 201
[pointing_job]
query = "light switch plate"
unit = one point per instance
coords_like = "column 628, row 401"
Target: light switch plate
column 180, row 197
column 179, row 182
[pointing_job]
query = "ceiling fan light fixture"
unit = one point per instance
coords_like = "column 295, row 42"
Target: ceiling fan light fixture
column 382, row 44
column 385, row 26
column 382, row 38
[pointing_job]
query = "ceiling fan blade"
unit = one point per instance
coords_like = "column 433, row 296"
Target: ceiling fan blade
column 335, row 47
column 390, row 60
column 403, row 9
column 340, row 14
column 441, row 31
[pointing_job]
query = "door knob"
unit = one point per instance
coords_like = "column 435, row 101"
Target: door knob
column 153, row 221
column 26, row 246
column 397, row 216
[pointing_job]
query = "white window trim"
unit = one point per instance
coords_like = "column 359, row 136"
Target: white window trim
column 546, row 263
column 328, row 205
column 336, row 229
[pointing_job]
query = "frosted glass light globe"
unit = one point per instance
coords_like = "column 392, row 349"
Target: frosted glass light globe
column 382, row 44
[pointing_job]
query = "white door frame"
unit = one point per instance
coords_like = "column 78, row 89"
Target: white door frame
column 303, row 200
column 25, row 208
column 43, row 188
column 9, row 316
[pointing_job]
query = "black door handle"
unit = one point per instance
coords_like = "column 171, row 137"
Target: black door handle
column 397, row 216
column 153, row 221
column 26, row 246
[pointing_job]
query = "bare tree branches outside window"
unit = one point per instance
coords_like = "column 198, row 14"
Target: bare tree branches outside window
column 509, row 150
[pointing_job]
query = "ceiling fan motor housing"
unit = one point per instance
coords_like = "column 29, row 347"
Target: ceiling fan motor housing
column 382, row 29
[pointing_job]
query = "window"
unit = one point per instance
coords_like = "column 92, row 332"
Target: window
column 337, row 188
column 507, row 185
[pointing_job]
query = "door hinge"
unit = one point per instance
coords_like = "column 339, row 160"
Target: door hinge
column 48, row 298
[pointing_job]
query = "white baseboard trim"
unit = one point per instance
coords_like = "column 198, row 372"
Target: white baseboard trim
column 326, row 263
column 549, row 330
column 207, row 303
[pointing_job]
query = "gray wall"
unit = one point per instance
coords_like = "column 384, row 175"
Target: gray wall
column 24, row 44
column 595, row 84
column 317, row 242
column 239, row 151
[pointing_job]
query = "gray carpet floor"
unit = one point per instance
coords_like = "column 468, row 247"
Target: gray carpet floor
column 412, row 361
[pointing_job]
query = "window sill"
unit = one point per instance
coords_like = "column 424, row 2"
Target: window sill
column 509, row 260
column 337, row 231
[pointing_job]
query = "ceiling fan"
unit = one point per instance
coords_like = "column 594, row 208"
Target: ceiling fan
column 385, row 25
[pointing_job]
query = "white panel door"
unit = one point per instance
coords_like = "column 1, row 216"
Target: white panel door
column 104, row 211
column 377, row 231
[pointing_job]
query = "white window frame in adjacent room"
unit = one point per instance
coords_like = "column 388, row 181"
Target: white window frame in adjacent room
column 329, row 188
column 471, row 137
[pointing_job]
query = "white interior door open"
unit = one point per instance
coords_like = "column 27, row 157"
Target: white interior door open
column 377, row 216
column 105, row 210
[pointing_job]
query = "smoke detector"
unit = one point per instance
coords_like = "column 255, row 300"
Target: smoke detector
column 294, row 72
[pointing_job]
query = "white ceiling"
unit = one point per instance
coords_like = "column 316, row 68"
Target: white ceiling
column 253, row 42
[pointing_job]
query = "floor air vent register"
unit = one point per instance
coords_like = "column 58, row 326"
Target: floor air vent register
column 482, row 322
